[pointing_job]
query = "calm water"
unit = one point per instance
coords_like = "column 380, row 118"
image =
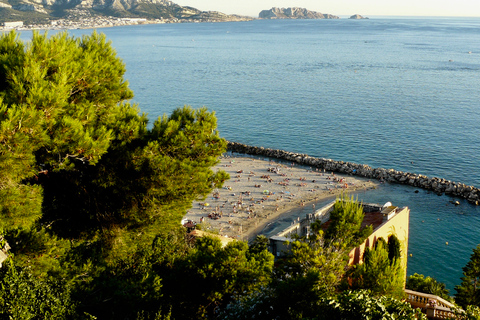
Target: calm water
column 394, row 93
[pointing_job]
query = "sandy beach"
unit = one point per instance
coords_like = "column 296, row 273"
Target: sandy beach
column 259, row 191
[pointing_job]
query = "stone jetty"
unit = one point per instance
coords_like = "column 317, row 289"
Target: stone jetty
column 437, row 185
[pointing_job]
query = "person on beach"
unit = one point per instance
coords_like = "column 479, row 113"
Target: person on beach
column 240, row 209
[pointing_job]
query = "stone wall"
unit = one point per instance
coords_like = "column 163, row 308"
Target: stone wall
column 437, row 185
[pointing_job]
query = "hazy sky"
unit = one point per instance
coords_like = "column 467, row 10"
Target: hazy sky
column 469, row 8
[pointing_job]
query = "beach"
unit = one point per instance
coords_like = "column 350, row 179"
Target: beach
column 261, row 190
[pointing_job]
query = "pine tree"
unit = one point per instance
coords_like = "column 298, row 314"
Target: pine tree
column 378, row 273
column 394, row 248
column 78, row 159
column 420, row 283
column 468, row 292
column 345, row 228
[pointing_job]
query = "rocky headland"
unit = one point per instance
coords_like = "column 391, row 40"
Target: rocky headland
column 293, row 13
column 434, row 184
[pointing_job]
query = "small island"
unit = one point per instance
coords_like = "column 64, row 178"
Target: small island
column 357, row 16
column 293, row 13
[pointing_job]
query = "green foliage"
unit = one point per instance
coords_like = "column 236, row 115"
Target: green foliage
column 381, row 242
column 125, row 288
column 310, row 271
column 468, row 292
column 211, row 276
column 77, row 158
column 378, row 273
column 23, row 296
column 91, row 197
column 394, row 248
column 28, row 17
column 173, row 279
column 470, row 313
column 316, row 264
column 70, row 87
column 348, row 305
column 420, row 283
column 345, row 228
column 20, row 136
column 259, row 244
column 53, row 116
column 363, row 305
column 153, row 11
column 37, row 249
column 20, row 204
column 323, row 265
column 122, row 290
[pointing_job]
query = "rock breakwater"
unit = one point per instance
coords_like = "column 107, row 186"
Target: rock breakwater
column 437, row 185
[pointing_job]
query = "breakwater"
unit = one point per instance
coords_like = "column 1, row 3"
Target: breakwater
column 437, row 185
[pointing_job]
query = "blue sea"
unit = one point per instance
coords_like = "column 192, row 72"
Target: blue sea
column 400, row 93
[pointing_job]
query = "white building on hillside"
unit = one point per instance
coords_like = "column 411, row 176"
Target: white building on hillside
column 13, row 24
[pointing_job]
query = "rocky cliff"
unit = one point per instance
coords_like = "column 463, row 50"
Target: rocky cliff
column 293, row 13
column 28, row 10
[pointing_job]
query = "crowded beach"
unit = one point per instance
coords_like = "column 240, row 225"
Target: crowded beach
column 260, row 190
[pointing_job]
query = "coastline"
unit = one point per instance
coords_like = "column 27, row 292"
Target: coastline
column 260, row 191
column 108, row 22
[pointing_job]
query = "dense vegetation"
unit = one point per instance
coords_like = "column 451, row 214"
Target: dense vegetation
column 420, row 283
column 29, row 17
column 381, row 270
column 468, row 292
column 91, row 199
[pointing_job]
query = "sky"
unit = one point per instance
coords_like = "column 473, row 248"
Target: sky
column 440, row 8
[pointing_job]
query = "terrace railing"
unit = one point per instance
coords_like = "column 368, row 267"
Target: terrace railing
column 433, row 306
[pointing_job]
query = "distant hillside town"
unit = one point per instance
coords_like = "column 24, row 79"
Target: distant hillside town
column 99, row 13
column 74, row 14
